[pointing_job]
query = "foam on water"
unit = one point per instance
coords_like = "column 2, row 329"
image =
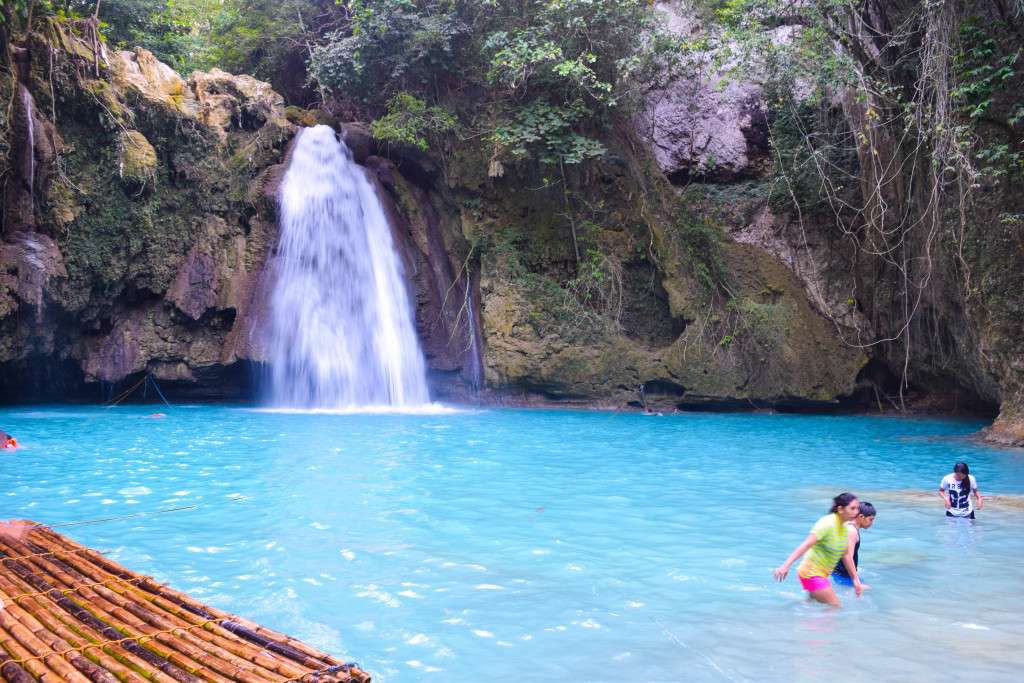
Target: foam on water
column 472, row 546
column 424, row 409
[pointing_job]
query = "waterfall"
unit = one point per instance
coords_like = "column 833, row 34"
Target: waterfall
column 342, row 330
column 476, row 370
column 30, row 138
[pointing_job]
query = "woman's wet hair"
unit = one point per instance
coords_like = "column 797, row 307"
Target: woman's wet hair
column 867, row 509
column 965, row 486
column 842, row 500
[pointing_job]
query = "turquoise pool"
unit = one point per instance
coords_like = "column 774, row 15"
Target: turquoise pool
column 501, row 545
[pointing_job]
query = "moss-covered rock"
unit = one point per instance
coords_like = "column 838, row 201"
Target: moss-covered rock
column 137, row 163
column 309, row 117
column 158, row 235
column 140, row 73
column 604, row 286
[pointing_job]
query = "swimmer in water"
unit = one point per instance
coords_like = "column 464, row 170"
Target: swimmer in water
column 822, row 550
column 7, row 441
column 865, row 518
column 956, row 490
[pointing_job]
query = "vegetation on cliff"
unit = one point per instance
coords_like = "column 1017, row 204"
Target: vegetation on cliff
column 902, row 123
column 892, row 132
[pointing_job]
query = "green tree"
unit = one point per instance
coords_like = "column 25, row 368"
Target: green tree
column 273, row 40
column 538, row 78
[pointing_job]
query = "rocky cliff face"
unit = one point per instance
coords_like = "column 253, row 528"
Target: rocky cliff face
column 960, row 350
column 139, row 225
column 137, row 235
column 139, row 222
column 134, row 238
column 637, row 317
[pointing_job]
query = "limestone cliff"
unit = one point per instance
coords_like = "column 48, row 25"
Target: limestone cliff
column 138, row 221
column 137, row 226
column 960, row 349
column 135, row 222
column 650, row 302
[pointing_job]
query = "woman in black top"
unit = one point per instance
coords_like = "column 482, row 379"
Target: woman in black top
column 864, row 520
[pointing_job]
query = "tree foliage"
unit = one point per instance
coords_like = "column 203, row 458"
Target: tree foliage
column 891, row 115
column 176, row 31
column 410, row 121
column 535, row 78
column 542, row 75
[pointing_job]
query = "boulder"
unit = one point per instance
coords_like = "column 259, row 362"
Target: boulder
column 359, row 139
column 151, row 79
column 711, row 127
column 137, row 162
column 227, row 102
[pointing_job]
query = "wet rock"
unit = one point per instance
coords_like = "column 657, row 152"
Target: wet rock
column 136, row 265
column 309, row 117
column 28, row 262
column 359, row 139
column 437, row 269
column 1008, row 428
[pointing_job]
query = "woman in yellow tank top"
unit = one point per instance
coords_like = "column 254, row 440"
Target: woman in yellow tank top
column 825, row 546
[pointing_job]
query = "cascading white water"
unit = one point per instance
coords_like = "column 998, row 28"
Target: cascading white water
column 28, row 106
column 342, row 330
column 476, row 370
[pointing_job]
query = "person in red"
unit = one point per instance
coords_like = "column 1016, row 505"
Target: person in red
column 7, row 441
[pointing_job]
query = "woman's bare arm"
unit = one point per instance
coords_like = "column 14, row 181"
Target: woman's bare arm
column 780, row 572
column 851, row 567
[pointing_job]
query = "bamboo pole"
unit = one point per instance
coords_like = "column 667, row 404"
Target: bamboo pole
column 38, row 649
column 55, row 642
column 74, row 607
column 256, row 655
column 231, row 624
column 147, row 621
column 169, row 649
column 34, row 666
column 202, row 610
column 13, row 672
column 107, row 631
column 119, row 662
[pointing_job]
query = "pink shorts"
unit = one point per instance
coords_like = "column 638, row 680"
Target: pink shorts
column 815, row 583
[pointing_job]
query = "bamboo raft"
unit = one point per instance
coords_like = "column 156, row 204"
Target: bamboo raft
column 71, row 614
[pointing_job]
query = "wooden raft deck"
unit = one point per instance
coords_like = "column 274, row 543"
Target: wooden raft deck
column 70, row 614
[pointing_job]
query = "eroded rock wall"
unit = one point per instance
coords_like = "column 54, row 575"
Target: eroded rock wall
column 956, row 341
column 145, row 250
column 139, row 228
column 142, row 245
column 151, row 220
column 594, row 288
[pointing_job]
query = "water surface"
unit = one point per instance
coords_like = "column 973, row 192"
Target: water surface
column 495, row 545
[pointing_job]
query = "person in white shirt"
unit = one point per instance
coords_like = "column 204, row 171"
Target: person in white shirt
column 956, row 490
